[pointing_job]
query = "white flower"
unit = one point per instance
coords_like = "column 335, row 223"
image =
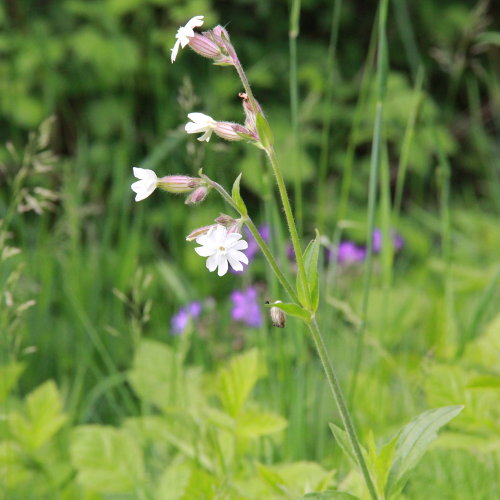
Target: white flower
column 201, row 123
column 146, row 185
column 184, row 33
column 221, row 248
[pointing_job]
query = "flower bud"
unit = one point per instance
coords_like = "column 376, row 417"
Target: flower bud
column 278, row 316
column 226, row 130
column 198, row 232
column 225, row 220
column 204, row 46
column 178, row 183
column 197, row 196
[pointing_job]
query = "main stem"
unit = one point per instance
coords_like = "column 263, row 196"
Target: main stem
column 312, row 324
column 341, row 404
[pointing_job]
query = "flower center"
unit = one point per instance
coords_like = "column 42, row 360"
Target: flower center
column 222, row 250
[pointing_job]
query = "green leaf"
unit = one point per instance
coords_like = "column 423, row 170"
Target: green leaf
column 413, row 441
column 311, row 256
column 329, row 495
column 264, row 131
column 174, row 482
column 157, row 375
column 9, row 375
column 303, row 290
column 292, row 480
column 107, row 460
column 235, row 382
column 343, row 441
column 235, row 194
column 42, row 418
column 484, row 382
column 292, row 309
column 252, row 424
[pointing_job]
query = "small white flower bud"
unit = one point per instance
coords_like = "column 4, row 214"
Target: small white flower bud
column 199, row 232
column 278, row 316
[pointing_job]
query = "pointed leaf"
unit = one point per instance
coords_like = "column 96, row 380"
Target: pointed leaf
column 413, row 441
column 235, row 382
column 343, row 441
column 303, row 290
column 42, row 418
column 264, row 131
column 235, row 194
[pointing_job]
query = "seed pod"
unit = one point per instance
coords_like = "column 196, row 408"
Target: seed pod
column 278, row 317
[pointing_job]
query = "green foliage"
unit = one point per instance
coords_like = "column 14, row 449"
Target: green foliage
column 108, row 460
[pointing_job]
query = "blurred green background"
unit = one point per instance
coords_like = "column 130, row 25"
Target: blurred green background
column 87, row 274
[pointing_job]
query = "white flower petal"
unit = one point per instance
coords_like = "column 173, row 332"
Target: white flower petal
column 201, row 118
column 222, row 266
column 195, row 22
column 174, row 50
column 212, row 262
column 239, row 245
column 235, row 264
column 235, row 254
column 232, row 238
column 205, row 251
column 144, row 173
column 206, row 136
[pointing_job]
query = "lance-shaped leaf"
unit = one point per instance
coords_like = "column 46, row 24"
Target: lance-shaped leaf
column 235, row 194
column 264, row 131
column 413, row 441
column 311, row 264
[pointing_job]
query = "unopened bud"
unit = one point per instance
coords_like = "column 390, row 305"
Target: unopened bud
column 204, row 46
column 198, row 232
column 197, row 196
column 178, row 183
column 278, row 316
column 226, row 130
column 232, row 225
column 221, row 32
column 225, row 220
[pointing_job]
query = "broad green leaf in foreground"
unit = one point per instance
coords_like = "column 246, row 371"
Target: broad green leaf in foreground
column 413, row 441
column 107, row 460
column 42, row 418
column 235, row 382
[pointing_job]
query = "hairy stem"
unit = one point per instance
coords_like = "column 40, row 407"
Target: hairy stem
column 341, row 405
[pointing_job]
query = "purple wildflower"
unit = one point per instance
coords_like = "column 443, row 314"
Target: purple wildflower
column 245, row 307
column 180, row 321
column 348, row 253
column 397, row 241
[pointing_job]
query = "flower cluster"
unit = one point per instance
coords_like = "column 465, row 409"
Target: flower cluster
column 349, row 252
